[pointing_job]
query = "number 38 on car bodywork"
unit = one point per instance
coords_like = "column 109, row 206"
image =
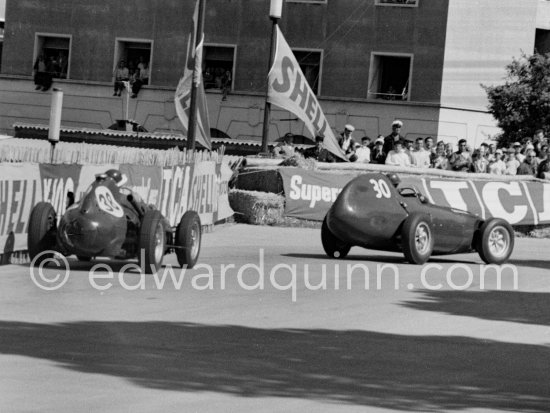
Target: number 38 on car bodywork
column 110, row 220
column 373, row 213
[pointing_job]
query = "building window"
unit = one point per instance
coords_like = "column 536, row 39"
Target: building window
column 218, row 65
column 390, row 76
column 55, row 49
column 136, row 54
column 400, row 3
column 310, row 63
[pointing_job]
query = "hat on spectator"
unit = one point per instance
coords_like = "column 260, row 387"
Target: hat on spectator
column 499, row 151
column 516, row 144
column 349, row 127
column 511, row 150
column 379, row 140
column 529, row 147
column 397, row 123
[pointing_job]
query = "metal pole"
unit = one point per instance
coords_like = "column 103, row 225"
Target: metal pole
column 267, row 109
column 55, row 120
column 192, row 127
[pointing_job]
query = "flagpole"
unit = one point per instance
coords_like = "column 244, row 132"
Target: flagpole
column 274, row 15
column 192, row 127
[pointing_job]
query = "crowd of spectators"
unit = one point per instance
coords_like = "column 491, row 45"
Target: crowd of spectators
column 529, row 157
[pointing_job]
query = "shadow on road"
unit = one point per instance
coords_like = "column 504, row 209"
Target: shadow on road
column 514, row 306
column 385, row 259
column 413, row 373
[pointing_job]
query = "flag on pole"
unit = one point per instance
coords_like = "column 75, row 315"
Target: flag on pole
column 288, row 89
column 182, row 97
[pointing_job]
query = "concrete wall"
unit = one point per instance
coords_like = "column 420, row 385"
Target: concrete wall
column 241, row 116
column 346, row 30
column 482, row 38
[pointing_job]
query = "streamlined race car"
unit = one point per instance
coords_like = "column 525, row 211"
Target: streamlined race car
column 111, row 220
column 372, row 213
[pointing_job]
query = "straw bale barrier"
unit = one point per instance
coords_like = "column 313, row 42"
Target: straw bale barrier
column 258, row 208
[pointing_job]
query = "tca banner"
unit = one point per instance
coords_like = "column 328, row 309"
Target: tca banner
column 310, row 194
column 288, row 89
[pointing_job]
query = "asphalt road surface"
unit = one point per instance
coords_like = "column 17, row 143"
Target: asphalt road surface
column 267, row 323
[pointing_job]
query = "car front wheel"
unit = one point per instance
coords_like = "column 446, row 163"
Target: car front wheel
column 188, row 239
column 152, row 242
column 42, row 231
column 496, row 241
column 417, row 238
column 333, row 246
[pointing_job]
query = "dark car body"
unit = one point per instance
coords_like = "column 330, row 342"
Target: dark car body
column 110, row 220
column 370, row 212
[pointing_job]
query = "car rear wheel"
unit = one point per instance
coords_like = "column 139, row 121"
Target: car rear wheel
column 333, row 246
column 188, row 239
column 496, row 241
column 417, row 238
column 42, row 231
column 152, row 242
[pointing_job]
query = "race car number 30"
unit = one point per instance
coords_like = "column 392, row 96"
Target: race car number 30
column 107, row 202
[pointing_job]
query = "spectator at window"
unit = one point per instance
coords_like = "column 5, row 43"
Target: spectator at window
column 362, row 151
column 62, row 66
column 141, row 78
column 496, row 164
column 420, row 157
column 226, row 84
column 285, row 149
column 42, row 78
column 393, row 137
column 398, row 156
column 319, row 152
column 461, row 160
column 121, row 74
column 346, row 142
column 528, row 167
column 378, row 155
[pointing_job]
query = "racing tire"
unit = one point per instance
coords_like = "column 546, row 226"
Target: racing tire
column 42, row 231
column 333, row 246
column 496, row 241
column 417, row 238
column 152, row 242
column 188, row 239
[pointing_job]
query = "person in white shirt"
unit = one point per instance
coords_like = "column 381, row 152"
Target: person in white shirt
column 363, row 151
column 420, row 157
column 512, row 164
column 519, row 156
column 496, row 164
column 398, row 156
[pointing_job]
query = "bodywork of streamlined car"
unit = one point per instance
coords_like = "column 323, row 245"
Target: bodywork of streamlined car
column 371, row 212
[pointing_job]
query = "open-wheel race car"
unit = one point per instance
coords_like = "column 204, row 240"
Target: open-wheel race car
column 111, row 220
column 371, row 212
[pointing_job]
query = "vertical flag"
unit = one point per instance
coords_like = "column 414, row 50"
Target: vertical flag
column 288, row 89
column 182, row 98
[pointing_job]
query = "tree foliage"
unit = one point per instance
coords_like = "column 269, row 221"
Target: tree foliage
column 522, row 104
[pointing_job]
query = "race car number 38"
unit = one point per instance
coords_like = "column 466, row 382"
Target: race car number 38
column 107, row 202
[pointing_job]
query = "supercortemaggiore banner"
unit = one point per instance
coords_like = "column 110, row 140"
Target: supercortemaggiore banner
column 310, row 194
column 201, row 186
